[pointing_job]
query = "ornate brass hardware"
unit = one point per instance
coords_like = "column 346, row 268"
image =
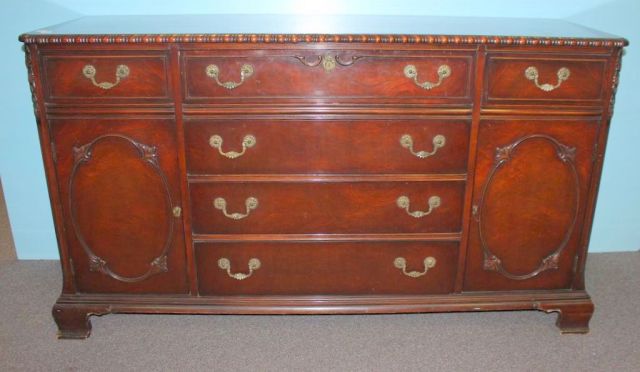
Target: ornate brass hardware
column 403, row 202
column 89, row 71
column 439, row 141
column 245, row 72
column 225, row 264
column 531, row 73
column 247, row 142
column 444, row 71
column 328, row 61
column 250, row 204
column 177, row 211
column 401, row 263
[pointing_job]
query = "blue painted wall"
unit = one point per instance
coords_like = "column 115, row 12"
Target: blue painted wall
column 617, row 223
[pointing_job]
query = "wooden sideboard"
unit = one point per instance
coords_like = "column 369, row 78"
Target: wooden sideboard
column 307, row 165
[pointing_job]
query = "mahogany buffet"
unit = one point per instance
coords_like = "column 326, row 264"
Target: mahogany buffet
column 309, row 165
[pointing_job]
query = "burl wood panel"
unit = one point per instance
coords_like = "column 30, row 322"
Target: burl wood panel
column 530, row 192
column 313, row 207
column 298, row 145
column 118, row 181
column 326, row 268
column 146, row 79
column 506, row 81
column 365, row 74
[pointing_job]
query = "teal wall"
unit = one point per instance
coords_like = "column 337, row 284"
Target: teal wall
column 617, row 222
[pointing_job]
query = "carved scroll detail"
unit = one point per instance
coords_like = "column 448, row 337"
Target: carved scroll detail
column 503, row 155
column 328, row 61
column 82, row 155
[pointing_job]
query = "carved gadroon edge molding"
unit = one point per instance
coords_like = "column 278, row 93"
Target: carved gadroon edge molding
column 83, row 155
column 566, row 154
column 32, row 82
column 319, row 38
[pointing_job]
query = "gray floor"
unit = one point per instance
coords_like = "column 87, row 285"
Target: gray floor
column 507, row 341
column 7, row 249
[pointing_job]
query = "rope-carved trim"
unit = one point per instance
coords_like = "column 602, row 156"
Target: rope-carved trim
column 318, row 38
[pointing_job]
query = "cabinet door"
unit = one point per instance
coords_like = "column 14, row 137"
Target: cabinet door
column 530, row 190
column 119, row 183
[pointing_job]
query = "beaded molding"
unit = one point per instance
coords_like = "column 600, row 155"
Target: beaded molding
column 318, row 38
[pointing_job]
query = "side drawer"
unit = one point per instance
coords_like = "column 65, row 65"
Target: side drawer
column 233, row 146
column 326, row 207
column 554, row 79
column 106, row 76
column 287, row 268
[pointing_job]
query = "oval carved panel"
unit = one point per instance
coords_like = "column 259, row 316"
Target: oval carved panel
column 528, row 206
column 121, row 208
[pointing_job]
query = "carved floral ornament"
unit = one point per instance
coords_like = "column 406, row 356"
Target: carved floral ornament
column 503, row 156
column 82, row 156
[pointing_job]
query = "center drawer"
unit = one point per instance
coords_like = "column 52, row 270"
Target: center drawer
column 326, row 207
column 223, row 146
column 277, row 76
column 313, row 268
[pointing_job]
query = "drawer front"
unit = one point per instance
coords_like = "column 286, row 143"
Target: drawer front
column 332, row 207
column 106, row 76
column 218, row 146
column 326, row 268
column 526, row 79
column 285, row 74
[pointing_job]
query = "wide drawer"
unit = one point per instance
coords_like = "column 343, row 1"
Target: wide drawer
column 218, row 146
column 116, row 75
column 524, row 79
column 293, row 74
column 326, row 207
column 326, row 268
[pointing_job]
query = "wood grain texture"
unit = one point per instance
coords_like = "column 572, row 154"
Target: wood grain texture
column 355, row 146
column 326, row 268
column 290, row 208
column 361, row 75
column 118, row 201
column 528, row 199
column 517, row 177
column 507, row 82
column 146, row 77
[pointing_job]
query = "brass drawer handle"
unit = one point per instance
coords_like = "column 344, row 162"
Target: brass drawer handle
column 439, row 141
column 247, row 142
column 401, row 263
column 89, row 71
column 213, row 72
column 225, row 264
column 250, row 204
column 444, row 71
column 403, row 202
column 531, row 73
